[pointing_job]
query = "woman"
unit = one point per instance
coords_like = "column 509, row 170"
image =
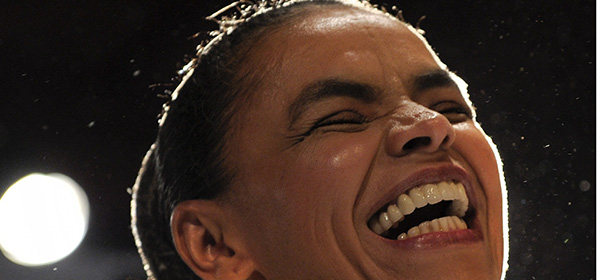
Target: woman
column 320, row 140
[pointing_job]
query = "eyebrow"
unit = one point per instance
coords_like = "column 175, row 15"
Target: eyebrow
column 330, row 88
column 431, row 80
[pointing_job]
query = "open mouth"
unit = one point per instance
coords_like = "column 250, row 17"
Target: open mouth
column 440, row 207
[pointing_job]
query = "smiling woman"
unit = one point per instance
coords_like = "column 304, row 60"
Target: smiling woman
column 320, row 140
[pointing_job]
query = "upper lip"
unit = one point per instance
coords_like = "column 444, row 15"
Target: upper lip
column 432, row 174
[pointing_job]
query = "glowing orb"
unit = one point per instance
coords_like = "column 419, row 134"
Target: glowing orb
column 43, row 218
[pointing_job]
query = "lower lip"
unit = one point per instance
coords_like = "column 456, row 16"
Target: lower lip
column 434, row 240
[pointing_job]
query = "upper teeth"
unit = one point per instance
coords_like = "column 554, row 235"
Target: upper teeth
column 419, row 197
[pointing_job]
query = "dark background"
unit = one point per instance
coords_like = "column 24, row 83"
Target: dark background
column 75, row 99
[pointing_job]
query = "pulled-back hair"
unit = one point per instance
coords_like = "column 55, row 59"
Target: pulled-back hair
column 187, row 161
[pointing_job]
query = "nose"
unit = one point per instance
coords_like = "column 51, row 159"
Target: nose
column 419, row 129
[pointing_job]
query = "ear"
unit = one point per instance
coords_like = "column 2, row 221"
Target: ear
column 199, row 230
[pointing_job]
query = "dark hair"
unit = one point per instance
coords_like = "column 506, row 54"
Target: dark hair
column 187, row 159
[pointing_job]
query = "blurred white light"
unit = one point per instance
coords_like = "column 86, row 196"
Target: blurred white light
column 43, row 218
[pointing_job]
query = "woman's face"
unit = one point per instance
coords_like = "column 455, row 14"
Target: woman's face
column 354, row 111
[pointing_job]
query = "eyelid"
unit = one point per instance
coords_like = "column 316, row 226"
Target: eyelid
column 447, row 107
column 320, row 124
column 353, row 117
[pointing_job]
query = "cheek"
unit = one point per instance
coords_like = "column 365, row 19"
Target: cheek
column 302, row 195
column 337, row 164
column 352, row 153
column 324, row 176
column 475, row 148
column 480, row 153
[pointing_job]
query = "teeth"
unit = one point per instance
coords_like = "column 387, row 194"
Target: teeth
column 459, row 206
column 444, row 225
column 446, row 190
column 432, row 194
column 424, row 227
column 460, row 224
column 405, row 204
column 376, row 226
column 394, row 213
column 414, row 231
column 436, row 225
column 419, row 197
column 384, row 220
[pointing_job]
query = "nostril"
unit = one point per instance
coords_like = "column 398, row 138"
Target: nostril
column 416, row 143
column 446, row 142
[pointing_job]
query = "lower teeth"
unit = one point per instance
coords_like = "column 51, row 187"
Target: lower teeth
column 444, row 224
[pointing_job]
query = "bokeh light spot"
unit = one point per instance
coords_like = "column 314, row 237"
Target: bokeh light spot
column 43, row 218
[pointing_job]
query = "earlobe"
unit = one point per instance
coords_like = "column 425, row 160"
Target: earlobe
column 197, row 229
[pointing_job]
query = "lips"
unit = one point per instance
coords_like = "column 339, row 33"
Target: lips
column 433, row 207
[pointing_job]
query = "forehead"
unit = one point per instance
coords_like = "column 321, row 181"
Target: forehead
column 340, row 42
column 334, row 19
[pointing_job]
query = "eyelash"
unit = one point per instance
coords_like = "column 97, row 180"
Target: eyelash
column 352, row 118
column 458, row 109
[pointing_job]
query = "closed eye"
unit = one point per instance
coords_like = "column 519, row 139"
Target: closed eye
column 341, row 121
column 346, row 120
column 340, row 118
column 453, row 111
